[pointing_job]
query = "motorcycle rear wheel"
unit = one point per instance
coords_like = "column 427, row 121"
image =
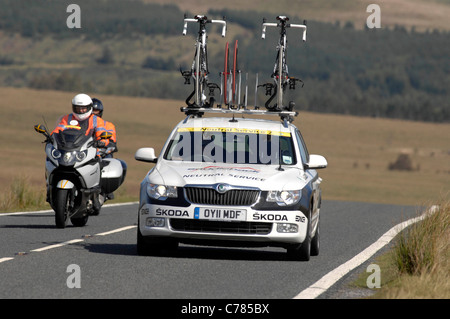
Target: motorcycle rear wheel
column 62, row 207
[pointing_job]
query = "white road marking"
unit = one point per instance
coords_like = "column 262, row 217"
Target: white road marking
column 115, row 230
column 51, row 211
column 5, row 259
column 73, row 241
column 26, row 213
column 333, row 276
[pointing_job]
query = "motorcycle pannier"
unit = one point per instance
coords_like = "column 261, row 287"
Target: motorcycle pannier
column 111, row 175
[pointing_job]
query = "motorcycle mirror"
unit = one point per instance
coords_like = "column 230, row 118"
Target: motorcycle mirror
column 105, row 136
column 40, row 129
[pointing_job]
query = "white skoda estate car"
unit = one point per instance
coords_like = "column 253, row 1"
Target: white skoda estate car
column 233, row 182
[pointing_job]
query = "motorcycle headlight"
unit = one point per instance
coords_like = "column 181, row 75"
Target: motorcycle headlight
column 68, row 157
column 284, row 198
column 80, row 156
column 161, row 192
column 56, row 153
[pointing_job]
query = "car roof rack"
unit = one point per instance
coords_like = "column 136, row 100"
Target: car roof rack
column 286, row 116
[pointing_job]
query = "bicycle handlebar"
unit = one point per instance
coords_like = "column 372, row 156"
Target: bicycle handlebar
column 301, row 26
column 224, row 26
column 186, row 20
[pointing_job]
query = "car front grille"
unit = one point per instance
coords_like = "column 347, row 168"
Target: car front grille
column 233, row 197
column 207, row 226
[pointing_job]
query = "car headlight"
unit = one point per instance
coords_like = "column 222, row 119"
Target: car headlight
column 284, row 198
column 161, row 192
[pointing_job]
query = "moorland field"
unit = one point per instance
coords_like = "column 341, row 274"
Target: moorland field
column 359, row 150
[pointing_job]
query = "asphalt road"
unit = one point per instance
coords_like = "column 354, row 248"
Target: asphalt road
column 34, row 264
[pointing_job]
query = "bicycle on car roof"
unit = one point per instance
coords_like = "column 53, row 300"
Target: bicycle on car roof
column 199, row 69
column 280, row 73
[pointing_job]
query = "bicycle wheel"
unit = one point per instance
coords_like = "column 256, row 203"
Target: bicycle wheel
column 235, row 66
column 197, row 76
column 203, row 76
column 225, row 75
column 280, row 78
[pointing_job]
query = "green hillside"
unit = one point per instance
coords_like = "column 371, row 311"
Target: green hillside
column 421, row 14
column 135, row 48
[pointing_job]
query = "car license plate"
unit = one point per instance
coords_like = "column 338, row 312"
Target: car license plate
column 229, row 214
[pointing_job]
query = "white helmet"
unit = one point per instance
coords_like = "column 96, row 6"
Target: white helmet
column 81, row 106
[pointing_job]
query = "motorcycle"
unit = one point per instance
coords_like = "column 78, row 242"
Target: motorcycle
column 78, row 181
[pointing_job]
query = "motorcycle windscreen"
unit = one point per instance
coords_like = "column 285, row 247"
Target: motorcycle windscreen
column 71, row 139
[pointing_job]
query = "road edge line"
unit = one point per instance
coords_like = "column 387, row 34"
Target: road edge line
column 324, row 283
column 51, row 211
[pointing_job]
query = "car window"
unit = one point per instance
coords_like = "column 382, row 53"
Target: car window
column 248, row 147
column 302, row 147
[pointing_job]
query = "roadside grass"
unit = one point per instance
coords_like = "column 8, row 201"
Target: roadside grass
column 418, row 264
column 22, row 196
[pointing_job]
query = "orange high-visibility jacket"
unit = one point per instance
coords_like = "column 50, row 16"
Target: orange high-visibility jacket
column 110, row 128
column 93, row 125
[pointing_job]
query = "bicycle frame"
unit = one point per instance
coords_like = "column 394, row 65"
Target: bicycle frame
column 280, row 71
column 199, row 69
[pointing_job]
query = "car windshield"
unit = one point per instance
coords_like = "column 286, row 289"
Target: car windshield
column 231, row 146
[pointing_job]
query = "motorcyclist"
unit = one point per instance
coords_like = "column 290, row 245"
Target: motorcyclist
column 97, row 109
column 112, row 146
column 82, row 118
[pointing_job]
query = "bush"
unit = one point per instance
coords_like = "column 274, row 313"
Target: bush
column 6, row 60
column 106, row 58
column 64, row 81
column 158, row 64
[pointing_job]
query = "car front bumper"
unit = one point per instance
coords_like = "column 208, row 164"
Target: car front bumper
column 223, row 223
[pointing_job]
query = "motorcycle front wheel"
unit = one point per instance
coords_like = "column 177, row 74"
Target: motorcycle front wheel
column 80, row 221
column 62, row 207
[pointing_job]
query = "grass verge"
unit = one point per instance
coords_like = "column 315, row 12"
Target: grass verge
column 23, row 196
column 418, row 264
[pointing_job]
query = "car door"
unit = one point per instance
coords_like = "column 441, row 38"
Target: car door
column 312, row 178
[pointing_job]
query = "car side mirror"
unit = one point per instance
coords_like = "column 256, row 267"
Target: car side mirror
column 316, row 162
column 146, row 154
